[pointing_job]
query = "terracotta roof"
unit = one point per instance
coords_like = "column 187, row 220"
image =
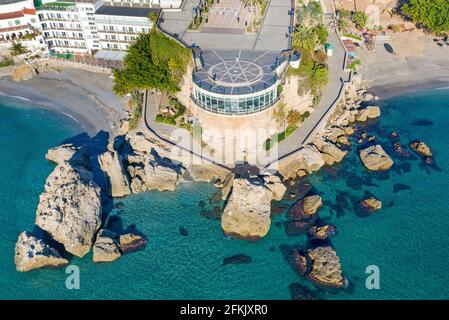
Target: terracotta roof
column 29, row 11
column 11, row 15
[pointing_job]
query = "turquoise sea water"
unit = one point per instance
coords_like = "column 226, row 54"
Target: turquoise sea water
column 408, row 239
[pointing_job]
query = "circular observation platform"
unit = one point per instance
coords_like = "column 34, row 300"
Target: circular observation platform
column 236, row 82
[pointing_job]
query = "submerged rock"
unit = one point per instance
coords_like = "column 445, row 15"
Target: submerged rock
column 131, row 242
column 300, row 262
column 247, row 213
column 371, row 204
column 421, row 148
column 33, row 253
column 237, row 259
column 68, row 152
column 116, row 176
column 375, row 158
column 106, row 248
column 326, row 268
column 70, row 208
column 183, row 231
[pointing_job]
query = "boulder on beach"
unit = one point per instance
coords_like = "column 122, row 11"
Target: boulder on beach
column 370, row 112
column 311, row 205
column 375, row 158
column 111, row 164
column 68, row 152
column 131, row 242
column 33, row 253
column 106, row 247
column 371, row 204
column 325, row 268
column 421, row 148
column 247, row 213
column 70, row 208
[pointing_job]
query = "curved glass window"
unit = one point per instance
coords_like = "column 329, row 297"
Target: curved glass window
column 235, row 104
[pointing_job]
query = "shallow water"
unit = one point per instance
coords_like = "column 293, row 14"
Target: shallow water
column 407, row 239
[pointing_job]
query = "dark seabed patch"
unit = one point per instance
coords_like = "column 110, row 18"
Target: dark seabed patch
column 237, row 259
column 422, row 122
column 183, row 232
column 397, row 187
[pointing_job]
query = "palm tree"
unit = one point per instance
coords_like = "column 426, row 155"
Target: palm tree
column 153, row 16
column 304, row 39
column 17, row 49
column 254, row 5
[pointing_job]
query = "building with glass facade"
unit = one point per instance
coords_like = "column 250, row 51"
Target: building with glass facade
column 234, row 82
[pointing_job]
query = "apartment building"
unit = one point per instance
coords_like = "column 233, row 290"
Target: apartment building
column 17, row 19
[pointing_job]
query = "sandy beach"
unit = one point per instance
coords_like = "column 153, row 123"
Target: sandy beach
column 84, row 96
column 418, row 63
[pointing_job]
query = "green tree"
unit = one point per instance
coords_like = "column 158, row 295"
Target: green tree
column 360, row 19
column 432, row 14
column 321, row 32
column 152, row 62
column 17, row 49
column 153, row 16
column 304, row 39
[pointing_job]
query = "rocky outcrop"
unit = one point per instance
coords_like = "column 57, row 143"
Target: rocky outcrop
column 329, row 151
column 374, row 158
column 226, row 186
column 106, row 248
column 275, row 185
column 311, row 205
column 300, row 262
column 370, row 112
column 371, row 204
column 307, row 160
column 68, row 152
column 322, row 233
column 325, row 269
column 70, row 208
column 33, row 253
column 151, row 172
column 421, row 148
column 111, row 164
column 131, row 242
column 247, row 213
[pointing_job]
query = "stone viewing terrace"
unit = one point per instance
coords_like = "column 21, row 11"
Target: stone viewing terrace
column 223, row 31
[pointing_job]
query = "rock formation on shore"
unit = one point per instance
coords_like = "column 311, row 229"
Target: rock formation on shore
column 67, row 152
column 70, row 208
column 116, row 176
column 33, row 253
column 370, row 112
column 247, row 213
column 106, row 247
column 375, row 158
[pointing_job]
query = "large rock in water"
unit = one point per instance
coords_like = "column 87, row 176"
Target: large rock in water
column 421, row 148
column 375, row 158
column 151, row 172
column 131, row 242
column 311, row 205
column 33, row 253
column 247, row 213
column 70, row 208
column 106, row 248
column 325, row 268
column 68, row 152
column 112, row 165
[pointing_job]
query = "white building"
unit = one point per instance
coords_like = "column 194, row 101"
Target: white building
column 119, row 26
column 17, row 18
column 61, row 27
column 163, row 4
